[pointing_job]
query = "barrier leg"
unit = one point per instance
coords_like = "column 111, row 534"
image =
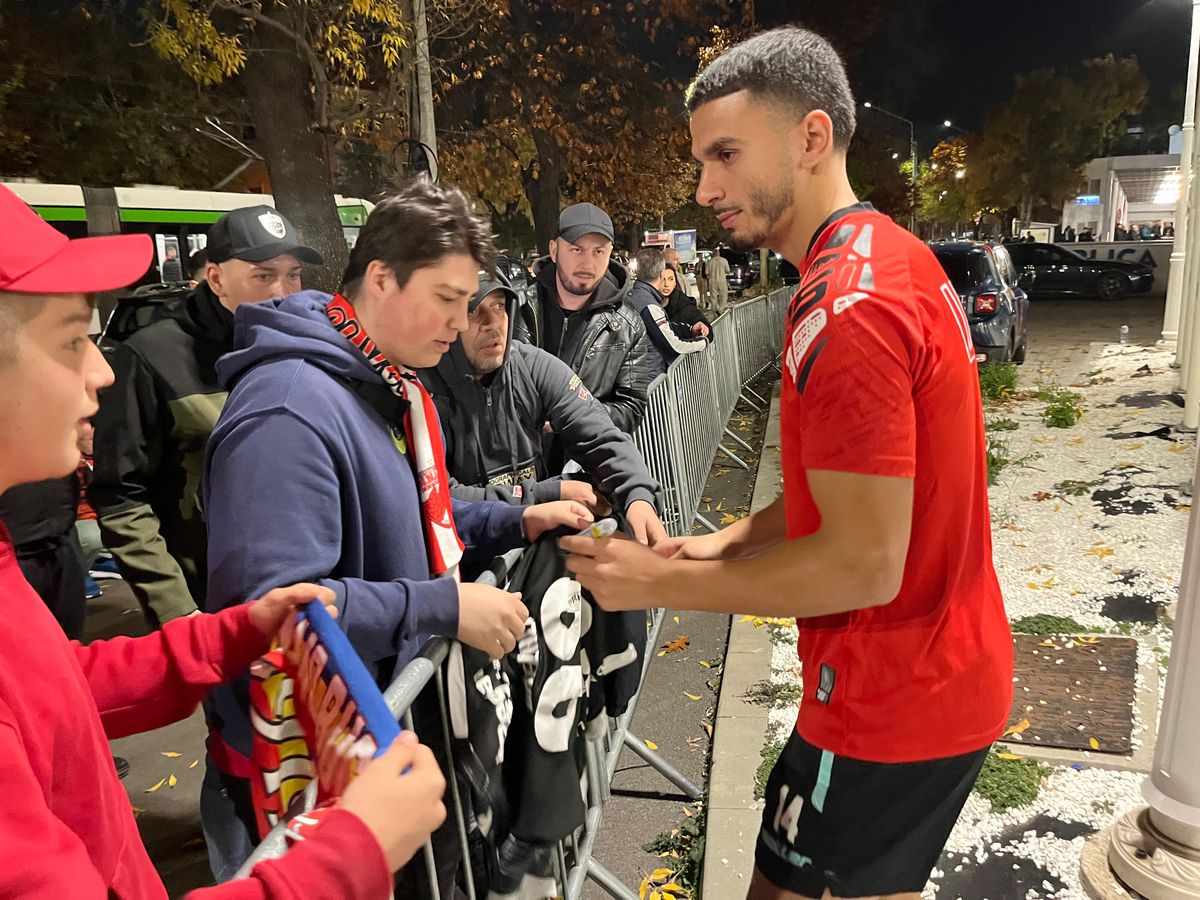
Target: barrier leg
column 609, row 881
column 746, row 390
column 660, row 765
column 737, row 440
column 742, row 396
column 740, row 463
column 707, row 524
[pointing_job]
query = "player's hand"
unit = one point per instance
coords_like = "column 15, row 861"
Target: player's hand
column 407, row 778
column 490, row 619
column 620, row 573
column 701, row 546
column 582, row 492
column 543, row 517
column 269, row 611
column 700, row 330
column 643, row 520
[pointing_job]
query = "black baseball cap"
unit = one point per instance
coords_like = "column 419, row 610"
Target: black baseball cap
column 490, row 283
column 584, row 218
column 256, row 234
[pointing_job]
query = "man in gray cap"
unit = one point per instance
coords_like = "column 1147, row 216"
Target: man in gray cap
column 154, row 422
column 580, row 316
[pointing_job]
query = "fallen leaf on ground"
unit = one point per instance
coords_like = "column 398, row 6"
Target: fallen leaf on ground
column 171, row 754
column 728, row 519
column 1039, row 496
column 172, row 781
column 705, row 663
column 691, row 696
column 651, row 745
column 676, row 620
column 1007, row 756
column 151, row 790
column 194, row 764
column 1020, row 727
column 1099, row 552
column 678, row 645
column 707, row 726
column 1093, row 743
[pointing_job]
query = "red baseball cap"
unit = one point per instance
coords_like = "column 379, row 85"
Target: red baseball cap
column 37, row 259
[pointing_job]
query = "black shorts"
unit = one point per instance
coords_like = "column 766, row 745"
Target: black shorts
column 858, row 828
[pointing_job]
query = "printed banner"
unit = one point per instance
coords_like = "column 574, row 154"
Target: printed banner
column 316, row 713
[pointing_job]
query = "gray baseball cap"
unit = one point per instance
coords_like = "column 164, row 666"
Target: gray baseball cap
column 584, row 218
column 256, row 234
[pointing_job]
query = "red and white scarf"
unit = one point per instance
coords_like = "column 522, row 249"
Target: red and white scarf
column 423, row 440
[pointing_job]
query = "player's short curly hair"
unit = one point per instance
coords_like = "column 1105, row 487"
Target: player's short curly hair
column 415, row 226
column 794, row 68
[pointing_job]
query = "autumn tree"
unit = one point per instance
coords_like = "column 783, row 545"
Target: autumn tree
column 555, row 100
column 312, row 71
column 72, row 110
column 944, row 195
column 1032, row 149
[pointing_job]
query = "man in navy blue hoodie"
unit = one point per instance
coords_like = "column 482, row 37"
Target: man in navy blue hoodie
column 327, row 461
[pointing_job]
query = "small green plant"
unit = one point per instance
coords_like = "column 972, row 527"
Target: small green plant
column 1044, row 624
column 997, row 458
column 770, row 755
column 682, row 850
column 1001, row 425
column 1062, row 406
column 772, row 693
column 1073, row 488
column 1007, row 783
column 997, row 381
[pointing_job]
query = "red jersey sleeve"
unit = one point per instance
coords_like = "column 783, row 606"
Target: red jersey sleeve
column 854, row 386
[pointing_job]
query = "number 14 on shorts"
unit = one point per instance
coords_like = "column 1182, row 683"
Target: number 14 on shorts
column 787, row 813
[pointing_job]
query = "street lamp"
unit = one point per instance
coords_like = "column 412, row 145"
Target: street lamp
column 912, row 152
column 946, row 123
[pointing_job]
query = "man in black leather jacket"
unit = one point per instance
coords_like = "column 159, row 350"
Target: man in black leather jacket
column 579, row 314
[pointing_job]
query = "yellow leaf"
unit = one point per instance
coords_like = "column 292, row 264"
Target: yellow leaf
column 1099, row 552
column 642, row 889
column 672, row 886
column 651, row 745
column 194, row 764
column 1137, row 445
column 1093, row 743
column 691, row 696
column 676, row 620
column 151, row 790
column 655, row 895
column 172, row 781
column 728, row 519
column 705, row 663
column 1021, row 726
column 660, row 874
column 1007, row 756
column 708, row 729
column 171, row 754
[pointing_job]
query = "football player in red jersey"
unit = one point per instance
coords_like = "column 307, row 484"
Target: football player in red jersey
column 881, row 542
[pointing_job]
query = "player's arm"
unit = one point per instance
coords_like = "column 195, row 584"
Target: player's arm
column 853, row 561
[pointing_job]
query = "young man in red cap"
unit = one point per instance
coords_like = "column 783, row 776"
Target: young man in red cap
column 68, row 829
column 881, row 543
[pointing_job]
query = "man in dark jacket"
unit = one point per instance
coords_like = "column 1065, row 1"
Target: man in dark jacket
column 493, row 393
column 670, row 339
column 579, row 315
column 155, row 420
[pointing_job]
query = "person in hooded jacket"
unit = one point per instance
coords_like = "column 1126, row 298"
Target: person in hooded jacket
column 328, row 431
column 681, row 308
column 580, row 316
column 155, row 420
column 492, row 393
column 655, row 282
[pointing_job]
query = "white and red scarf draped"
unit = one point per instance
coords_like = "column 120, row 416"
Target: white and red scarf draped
column 423, row 440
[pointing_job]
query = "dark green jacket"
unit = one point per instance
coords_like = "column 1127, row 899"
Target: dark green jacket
column 151, row 433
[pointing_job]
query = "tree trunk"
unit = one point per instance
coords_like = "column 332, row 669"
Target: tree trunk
column 542, row 190
column 278, row 84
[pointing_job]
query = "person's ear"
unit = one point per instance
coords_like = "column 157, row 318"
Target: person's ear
column 811, row 140
column 378, row 278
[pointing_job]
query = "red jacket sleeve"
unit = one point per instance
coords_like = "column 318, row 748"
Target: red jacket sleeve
column 342, row 859
column 148, row 682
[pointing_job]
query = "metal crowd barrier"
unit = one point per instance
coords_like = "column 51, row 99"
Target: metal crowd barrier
column 686, row 420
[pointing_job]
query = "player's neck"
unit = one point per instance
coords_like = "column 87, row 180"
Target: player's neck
column 825, row 196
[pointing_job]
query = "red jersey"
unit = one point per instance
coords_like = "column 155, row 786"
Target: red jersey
column 880, row 379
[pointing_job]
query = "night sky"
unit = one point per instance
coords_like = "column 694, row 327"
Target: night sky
column 936, row 59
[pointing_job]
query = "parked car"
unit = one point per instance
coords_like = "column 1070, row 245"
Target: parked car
column 1058, row 272
column 135, row 310
column 743, row 268
column 992, row 296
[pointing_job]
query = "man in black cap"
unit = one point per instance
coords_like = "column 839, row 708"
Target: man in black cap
column 580, row 315
column 154, row 422
column 491, row 395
